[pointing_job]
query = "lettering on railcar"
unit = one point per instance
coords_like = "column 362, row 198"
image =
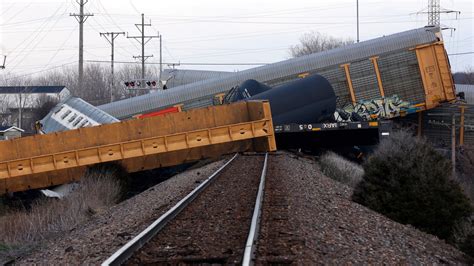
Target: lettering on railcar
column 329, row 125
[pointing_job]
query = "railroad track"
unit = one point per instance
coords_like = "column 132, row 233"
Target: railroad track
column 217, row 222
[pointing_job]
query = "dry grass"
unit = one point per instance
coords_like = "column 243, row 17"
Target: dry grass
column 98, row 189
column 341, row 169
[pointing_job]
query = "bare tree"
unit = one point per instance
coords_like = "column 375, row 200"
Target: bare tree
column 4, row 112
column 469, row 75
column 97, row 84
column 314, row 42
column 464, row 77
column 43, row 105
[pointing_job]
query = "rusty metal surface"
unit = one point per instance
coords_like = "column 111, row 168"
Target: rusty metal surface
column 435, row 74
column 51, row 159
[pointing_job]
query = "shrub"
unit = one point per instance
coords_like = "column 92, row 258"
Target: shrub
column 465, row 170
column 468, row 245
column 341, row 169
column 407, row 180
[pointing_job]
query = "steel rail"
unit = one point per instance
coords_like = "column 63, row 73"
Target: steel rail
column 249, row 253
column 126, row 251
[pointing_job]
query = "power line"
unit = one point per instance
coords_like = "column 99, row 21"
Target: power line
column 101, row 6
column 188, row 64
column 29, row 21
column 60, row 49
column 462, row 53
column 40, row 30
column 36, row 72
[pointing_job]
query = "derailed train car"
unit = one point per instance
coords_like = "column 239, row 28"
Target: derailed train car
column 381, row 78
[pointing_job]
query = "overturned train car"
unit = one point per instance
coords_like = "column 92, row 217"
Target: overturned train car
column 380, row 78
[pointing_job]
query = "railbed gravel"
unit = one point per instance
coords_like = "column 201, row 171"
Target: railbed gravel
column 324, row 226
column 317, row 223
column 213, row 228
column 94, row 241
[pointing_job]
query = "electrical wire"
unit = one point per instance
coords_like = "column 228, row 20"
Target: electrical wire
column 180, row 63
column 41, row 71
column 40, row 30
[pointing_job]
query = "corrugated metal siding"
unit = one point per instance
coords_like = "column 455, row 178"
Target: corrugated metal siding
column 439, row 132
column 337, row 78
column 400, row 75
column 468, row 92
column 52, row 125
column 197, row 103
column 364, row 81
column 179, row 77
column 397, row 80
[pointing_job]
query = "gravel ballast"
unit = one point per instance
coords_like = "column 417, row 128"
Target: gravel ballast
column 213, row 228
column 313, row 221
column 318, row 223
column 95, row 241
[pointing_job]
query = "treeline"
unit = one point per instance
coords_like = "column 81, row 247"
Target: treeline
column 97, row 84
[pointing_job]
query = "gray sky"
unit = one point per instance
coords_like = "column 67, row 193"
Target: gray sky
column 38, row 35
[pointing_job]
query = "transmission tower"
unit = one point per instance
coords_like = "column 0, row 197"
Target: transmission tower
column 142, row 41
column 81, row 18
column 434, row 10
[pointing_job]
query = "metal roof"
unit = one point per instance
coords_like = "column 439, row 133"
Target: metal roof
column 30, row 89
column 178, row 77
column 284, row 69
column 74, row 113
column 468, row 90
column 9, row 128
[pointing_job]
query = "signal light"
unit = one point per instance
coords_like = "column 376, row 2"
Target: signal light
column 149, row 83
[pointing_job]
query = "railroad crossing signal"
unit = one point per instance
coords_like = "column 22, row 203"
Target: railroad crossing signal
column 136, row 84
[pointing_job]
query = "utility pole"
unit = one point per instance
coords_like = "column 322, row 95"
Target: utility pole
column 81, row 18
column 161, row 56
column 4, row 60
column 357, row 3
column 141, row 40
column 110, row 37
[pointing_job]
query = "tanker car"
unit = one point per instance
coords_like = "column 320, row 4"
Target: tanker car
column 305, row 114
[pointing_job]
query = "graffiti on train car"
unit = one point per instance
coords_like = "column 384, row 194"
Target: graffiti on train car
column 382, row 108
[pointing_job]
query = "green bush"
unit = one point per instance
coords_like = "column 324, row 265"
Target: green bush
column 408, row 181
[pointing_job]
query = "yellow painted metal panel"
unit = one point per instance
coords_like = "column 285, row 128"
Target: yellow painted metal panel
column 137, row 144
column 349, row 82
column 445, row 72
column 377, row 74
column 373, row 124
column 436, row 74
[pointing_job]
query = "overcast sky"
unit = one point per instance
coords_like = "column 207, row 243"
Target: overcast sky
column 39, row 35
